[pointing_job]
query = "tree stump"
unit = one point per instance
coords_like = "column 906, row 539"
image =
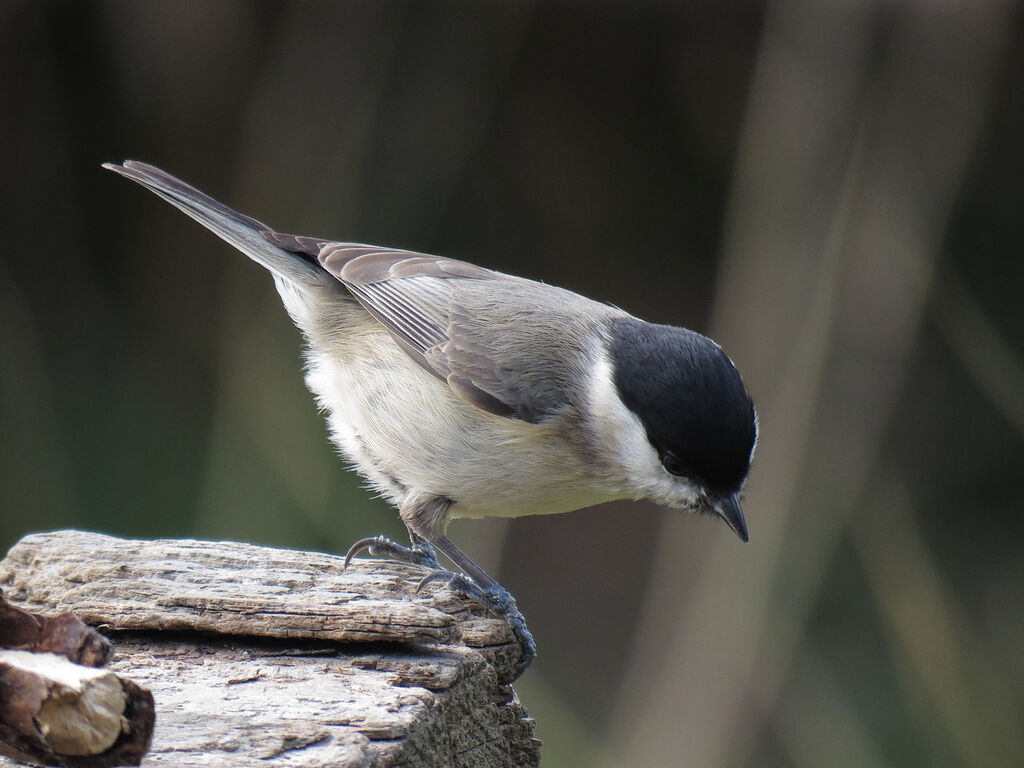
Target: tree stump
column 258, row 653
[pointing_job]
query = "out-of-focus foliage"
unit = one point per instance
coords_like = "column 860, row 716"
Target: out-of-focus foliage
column 833, row 190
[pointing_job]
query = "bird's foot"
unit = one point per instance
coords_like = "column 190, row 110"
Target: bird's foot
column 498, row 601
column 420, row 553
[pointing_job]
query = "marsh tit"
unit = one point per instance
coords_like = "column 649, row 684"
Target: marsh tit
column 457, row 391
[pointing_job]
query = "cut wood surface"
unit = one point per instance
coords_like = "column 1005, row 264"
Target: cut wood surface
column 257, row 653
column 57, row 712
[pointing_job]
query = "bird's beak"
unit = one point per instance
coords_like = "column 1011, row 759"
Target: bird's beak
column 728, row 508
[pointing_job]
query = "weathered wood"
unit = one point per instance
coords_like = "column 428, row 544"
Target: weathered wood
column 56, row 708
column 253, row 652
column 64, row 634
column 57, row 712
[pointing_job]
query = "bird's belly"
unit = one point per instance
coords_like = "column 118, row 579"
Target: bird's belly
column 409, row 435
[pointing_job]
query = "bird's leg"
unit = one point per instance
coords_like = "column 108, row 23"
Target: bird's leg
column 479, row 585
column 426, row 519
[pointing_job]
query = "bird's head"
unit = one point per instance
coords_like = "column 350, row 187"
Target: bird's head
column 674, row 412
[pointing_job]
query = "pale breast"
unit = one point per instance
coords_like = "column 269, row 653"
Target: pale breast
column 409, row 434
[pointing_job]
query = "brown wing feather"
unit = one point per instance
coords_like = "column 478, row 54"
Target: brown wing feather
column 472, row 328
column 409, row 294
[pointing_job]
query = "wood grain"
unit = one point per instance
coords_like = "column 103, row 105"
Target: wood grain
column 257, row 653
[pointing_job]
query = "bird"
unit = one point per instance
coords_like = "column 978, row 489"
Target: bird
column 458, row 391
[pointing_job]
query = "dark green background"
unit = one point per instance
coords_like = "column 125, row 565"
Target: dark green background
column 832, row 190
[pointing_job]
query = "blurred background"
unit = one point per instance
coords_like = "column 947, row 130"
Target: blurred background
column 831, row 190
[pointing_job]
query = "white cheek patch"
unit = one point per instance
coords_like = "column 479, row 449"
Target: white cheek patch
column 621, row 431
column 619, row 427
column 757, row 434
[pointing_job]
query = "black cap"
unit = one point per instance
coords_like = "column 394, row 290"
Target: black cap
column 690, row 399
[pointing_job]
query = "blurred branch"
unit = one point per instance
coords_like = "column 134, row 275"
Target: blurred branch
column 931, row 639
column 779, row 280
column 981, row 348
column 840, row 737
column 824, row 281
column 30, row 418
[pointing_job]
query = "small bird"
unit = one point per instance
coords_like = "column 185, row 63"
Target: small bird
column 458, row 391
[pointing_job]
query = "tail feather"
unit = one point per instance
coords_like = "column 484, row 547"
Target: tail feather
column 255, row 239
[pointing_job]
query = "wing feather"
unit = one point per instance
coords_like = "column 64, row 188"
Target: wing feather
column 509, row 346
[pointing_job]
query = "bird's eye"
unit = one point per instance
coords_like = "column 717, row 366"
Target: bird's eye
column 673, row 464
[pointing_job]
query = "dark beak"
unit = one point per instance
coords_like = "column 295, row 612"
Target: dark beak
column 728, row 508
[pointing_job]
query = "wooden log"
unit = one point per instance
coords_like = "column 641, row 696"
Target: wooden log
column 64, row 634
column 257, row 653
column 56, row 707
column 56, row 712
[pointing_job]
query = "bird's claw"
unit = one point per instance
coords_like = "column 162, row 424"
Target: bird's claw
column 499, row 602
column 421, row 553
column 457, row 582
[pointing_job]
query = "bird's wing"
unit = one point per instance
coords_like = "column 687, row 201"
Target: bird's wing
column 510, row 346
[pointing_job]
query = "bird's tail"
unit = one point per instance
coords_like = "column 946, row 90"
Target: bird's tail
column 243, row 232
